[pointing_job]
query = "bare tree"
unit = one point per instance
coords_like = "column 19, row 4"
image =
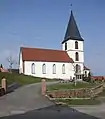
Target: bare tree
column 11, row 62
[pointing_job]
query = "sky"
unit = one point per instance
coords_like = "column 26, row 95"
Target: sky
column 42, row 23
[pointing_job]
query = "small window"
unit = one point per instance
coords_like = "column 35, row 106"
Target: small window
column 63, row 69
column 44, row 69
column 80, row 76
column 76, row 45
column 54, row 69
column 76, row 56
column 33, row 68
column 65, row 46
column 85, row 73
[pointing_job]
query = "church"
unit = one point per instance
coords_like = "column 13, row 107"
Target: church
column 66, row 64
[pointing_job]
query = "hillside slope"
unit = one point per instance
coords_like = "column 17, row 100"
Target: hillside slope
column 20, row 78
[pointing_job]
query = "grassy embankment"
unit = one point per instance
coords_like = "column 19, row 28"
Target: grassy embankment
column 20, row 78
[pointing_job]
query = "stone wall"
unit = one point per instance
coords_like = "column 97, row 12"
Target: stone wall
column 76, row 93
column 96, row 90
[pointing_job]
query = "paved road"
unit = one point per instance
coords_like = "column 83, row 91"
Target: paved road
column 97, row 111
column 24, row 99
column 52, row 112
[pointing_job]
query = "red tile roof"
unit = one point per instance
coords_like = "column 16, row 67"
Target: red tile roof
column 98, row 77
column 46, row 55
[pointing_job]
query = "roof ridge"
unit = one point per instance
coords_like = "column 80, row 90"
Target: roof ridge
column 42, row 49
column 45, row 55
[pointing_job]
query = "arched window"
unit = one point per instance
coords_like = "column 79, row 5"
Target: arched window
column 63, row 69
column 76, row 56
column 76, row 45
column 33, row 68
column 78, row 68
column 44, row 69
column 65, row 46
column 54, row 69
column 85, row 73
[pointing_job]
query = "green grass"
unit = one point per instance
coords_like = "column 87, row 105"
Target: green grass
column 62, row 86
column 78, row 101
column 20, row 78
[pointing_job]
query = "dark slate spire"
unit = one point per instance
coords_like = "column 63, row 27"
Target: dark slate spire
column 72, row 31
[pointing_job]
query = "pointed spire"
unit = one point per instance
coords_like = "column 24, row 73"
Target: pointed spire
column 72, row 31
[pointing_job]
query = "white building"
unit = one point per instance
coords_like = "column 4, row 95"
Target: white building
column 61, row 64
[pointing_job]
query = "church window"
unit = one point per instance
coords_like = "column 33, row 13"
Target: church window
column 76, row 56
column 85, row 73
column 65, row 46
column 54, row 69
column 76, row 45
column 63, row 69
column 44, row 69
column 80, row 76
column 33, row 68
column 77, row 68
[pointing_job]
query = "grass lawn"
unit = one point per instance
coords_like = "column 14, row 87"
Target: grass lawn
column 20, row 78
column 62, row 86
column 78, row 101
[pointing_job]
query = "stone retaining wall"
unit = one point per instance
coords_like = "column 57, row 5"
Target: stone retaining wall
column 76, row 93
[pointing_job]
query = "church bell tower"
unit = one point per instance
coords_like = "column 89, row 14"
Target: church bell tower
column 73, row 43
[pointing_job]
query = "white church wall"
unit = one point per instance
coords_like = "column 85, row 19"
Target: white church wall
column 72, row 55
column 71, row 45
column 82, row 67
column 71, row 52
column 63, row 46
column 49, row 70
column 20, row 63
column 71, row 49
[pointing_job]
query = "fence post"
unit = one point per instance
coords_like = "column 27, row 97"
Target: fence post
column 43, row 87
column 4, row 84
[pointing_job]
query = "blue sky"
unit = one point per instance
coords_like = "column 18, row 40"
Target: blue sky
column 42, row 23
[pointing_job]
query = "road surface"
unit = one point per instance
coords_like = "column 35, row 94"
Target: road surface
column 24, row 99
